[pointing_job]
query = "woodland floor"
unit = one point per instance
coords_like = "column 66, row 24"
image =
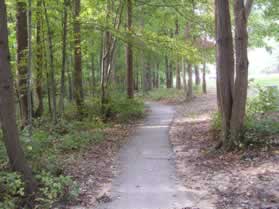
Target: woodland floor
column 240, row 180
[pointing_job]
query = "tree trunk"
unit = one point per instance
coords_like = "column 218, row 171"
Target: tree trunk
column 129, row 58
column 78, row 68
column 39, row 59
column 29, row 68
column 52, row 69
column 225, row 65
column 242, row 63
column 178, row 79
column 167, row 72
column 190, row 82
column 7, row 109
column 64, row 44
column 22, row 46
column 197, row 76
column 93, row 76
column 204, row 85
column 184, row 77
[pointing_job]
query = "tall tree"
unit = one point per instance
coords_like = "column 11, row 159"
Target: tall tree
column 189, row 95
column 22, row 68
column 178, row 77
column 52, row 69
column 64, row 44
column 232, row 87
column 129, row 53
column 225, row 64
column 39, row 60
column 78, row 94
column 241, row 14
column 7, row 108
column 197, row 75
column 204, row 85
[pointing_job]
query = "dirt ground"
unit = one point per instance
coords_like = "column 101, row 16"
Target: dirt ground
column 239, row 180
column 94, row 168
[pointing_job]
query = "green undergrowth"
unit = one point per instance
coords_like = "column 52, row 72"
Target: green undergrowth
column 171, row 94
column 48, row 149
column 261, row 121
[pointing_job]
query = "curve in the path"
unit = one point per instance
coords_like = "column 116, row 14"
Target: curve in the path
column 148, row 177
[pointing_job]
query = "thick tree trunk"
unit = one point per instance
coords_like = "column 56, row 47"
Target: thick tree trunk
column 204, row 85
column 7, row 108
column 52, row 69
column 78, row 68
column 39, row 60
column 129, row 54
column 22, row 46
column 197, row 76
column 241, row 78
column 64, row 44
column 225, row 65
column 190, row 82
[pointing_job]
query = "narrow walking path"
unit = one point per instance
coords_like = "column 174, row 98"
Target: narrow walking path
column 147, row 178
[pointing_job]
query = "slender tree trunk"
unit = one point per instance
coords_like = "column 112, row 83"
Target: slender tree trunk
column 171, row 73
column 190, row 82
column 225, row 65
column 129, row 51
column 178, row 77
column 29, row 69
column 7, row 109
column 52, row 69
column 70, row 80
column 197, row 76
column 22, row 46
column 39, row 60
column 168, row 82
column 64, row 54
column 78, row 68
column 93, row 76
column 242, row 63
column 184, row 77
column 204, row 85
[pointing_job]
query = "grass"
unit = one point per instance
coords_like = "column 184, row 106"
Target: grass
column 268, row 80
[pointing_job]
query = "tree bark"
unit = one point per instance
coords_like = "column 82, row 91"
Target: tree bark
column 190, row 82
column 64, row 54
column 22, row 46
column 52, row 69
column 184, row 77
column 39, row 59
column 7, row 109
column 204, row 85
column 197, row 76
column 178, row 77
column 78, row 68
column 241, row 67
column 225, row 65
column 129, row 54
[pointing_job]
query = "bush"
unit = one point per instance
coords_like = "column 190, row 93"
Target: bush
column 125, row 110
column 11, row 190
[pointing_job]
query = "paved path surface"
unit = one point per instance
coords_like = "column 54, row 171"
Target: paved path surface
column 147, row 178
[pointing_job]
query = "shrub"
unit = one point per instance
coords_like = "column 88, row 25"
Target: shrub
column 124, row 110
column 11, row 190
